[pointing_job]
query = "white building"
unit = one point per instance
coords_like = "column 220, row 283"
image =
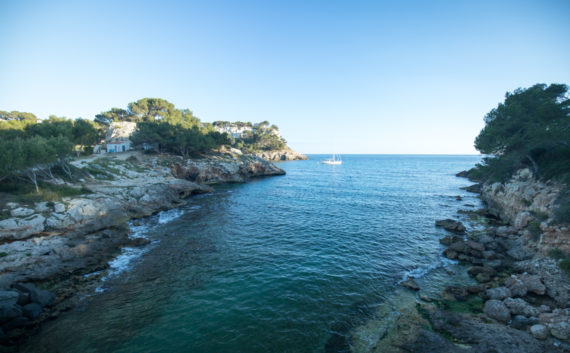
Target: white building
column 118, row 146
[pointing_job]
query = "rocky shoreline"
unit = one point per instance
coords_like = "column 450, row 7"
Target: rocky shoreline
column 57, row 250
column 515, row 298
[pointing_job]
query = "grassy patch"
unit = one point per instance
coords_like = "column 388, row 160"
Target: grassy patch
column 22, row 192
column 556, row 254
column 3, row 254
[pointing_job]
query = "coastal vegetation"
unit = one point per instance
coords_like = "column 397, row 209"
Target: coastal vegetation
column 39, row 151
column 254, row 138
column 530, row 129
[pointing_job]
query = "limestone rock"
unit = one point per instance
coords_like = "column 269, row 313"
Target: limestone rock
column 498, row 293
column 21, row 212
column 519, row 306
column 516, row 286
column 497, row 310
column 560, row 330
column 19, row 228
column 539, row 331
column 533, row 284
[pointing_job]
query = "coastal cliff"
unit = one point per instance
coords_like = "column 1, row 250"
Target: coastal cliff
column 54, row 241
column 529, row 206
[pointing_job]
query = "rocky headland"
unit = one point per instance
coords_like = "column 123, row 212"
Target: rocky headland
column 285, row 154
column 47, row 248
column 516, row 295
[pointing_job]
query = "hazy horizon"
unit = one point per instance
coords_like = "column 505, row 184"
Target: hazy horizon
column 359, row 77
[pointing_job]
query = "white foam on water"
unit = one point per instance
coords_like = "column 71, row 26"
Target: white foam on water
column 138, row 229
column 422, row 271
column 167, row 216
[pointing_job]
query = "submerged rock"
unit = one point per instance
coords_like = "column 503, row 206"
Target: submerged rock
column 411, row 284
column 451, row 225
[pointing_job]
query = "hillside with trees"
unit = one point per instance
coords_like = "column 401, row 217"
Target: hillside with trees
column 530, row 129
column 35, row 151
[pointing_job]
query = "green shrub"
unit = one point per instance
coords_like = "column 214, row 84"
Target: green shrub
column 3, row 254
column 556, row 254
column 565, row 265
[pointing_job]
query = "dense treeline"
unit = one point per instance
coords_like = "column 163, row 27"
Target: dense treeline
column 161, row 126
column 530, row 129
column 31, row 151
column 177, row 139
column 35, row 151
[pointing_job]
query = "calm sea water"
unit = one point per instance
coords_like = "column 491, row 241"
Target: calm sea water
column 280, row 264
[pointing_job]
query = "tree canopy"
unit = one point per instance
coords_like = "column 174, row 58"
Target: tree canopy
column 531, row 128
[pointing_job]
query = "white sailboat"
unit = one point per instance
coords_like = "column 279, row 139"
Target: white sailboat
column 334, row 160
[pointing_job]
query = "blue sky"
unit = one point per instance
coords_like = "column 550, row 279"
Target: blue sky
column 350, row 76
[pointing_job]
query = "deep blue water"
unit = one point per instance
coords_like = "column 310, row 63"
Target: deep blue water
column 280, row 264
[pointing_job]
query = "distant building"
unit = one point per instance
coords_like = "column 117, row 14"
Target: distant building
column 235, row 132
column 117, row 138
column 118, row 146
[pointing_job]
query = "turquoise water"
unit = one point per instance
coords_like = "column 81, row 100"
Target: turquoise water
column 280, row 264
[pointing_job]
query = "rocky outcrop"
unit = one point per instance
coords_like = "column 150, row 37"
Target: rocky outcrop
column 224, row 169
column 285, row 154
column 528, row 204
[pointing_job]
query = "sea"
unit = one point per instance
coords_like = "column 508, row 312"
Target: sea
column 292, row 263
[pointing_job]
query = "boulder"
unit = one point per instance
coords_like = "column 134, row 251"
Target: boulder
column 9, row 307
column 519, row 306
column 458, row 246
column 450, row 254
column 40, row 296
column 516, row 286
column 32, row 310
column 446, row 240
column 497, row 310
column 539, row 331
column 560, row 330
column 498, row 293
column 533, row 284
column 521, row 322
column 475, row 245
column 451, row 225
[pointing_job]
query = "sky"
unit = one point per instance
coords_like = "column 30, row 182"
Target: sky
column 409, row 77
